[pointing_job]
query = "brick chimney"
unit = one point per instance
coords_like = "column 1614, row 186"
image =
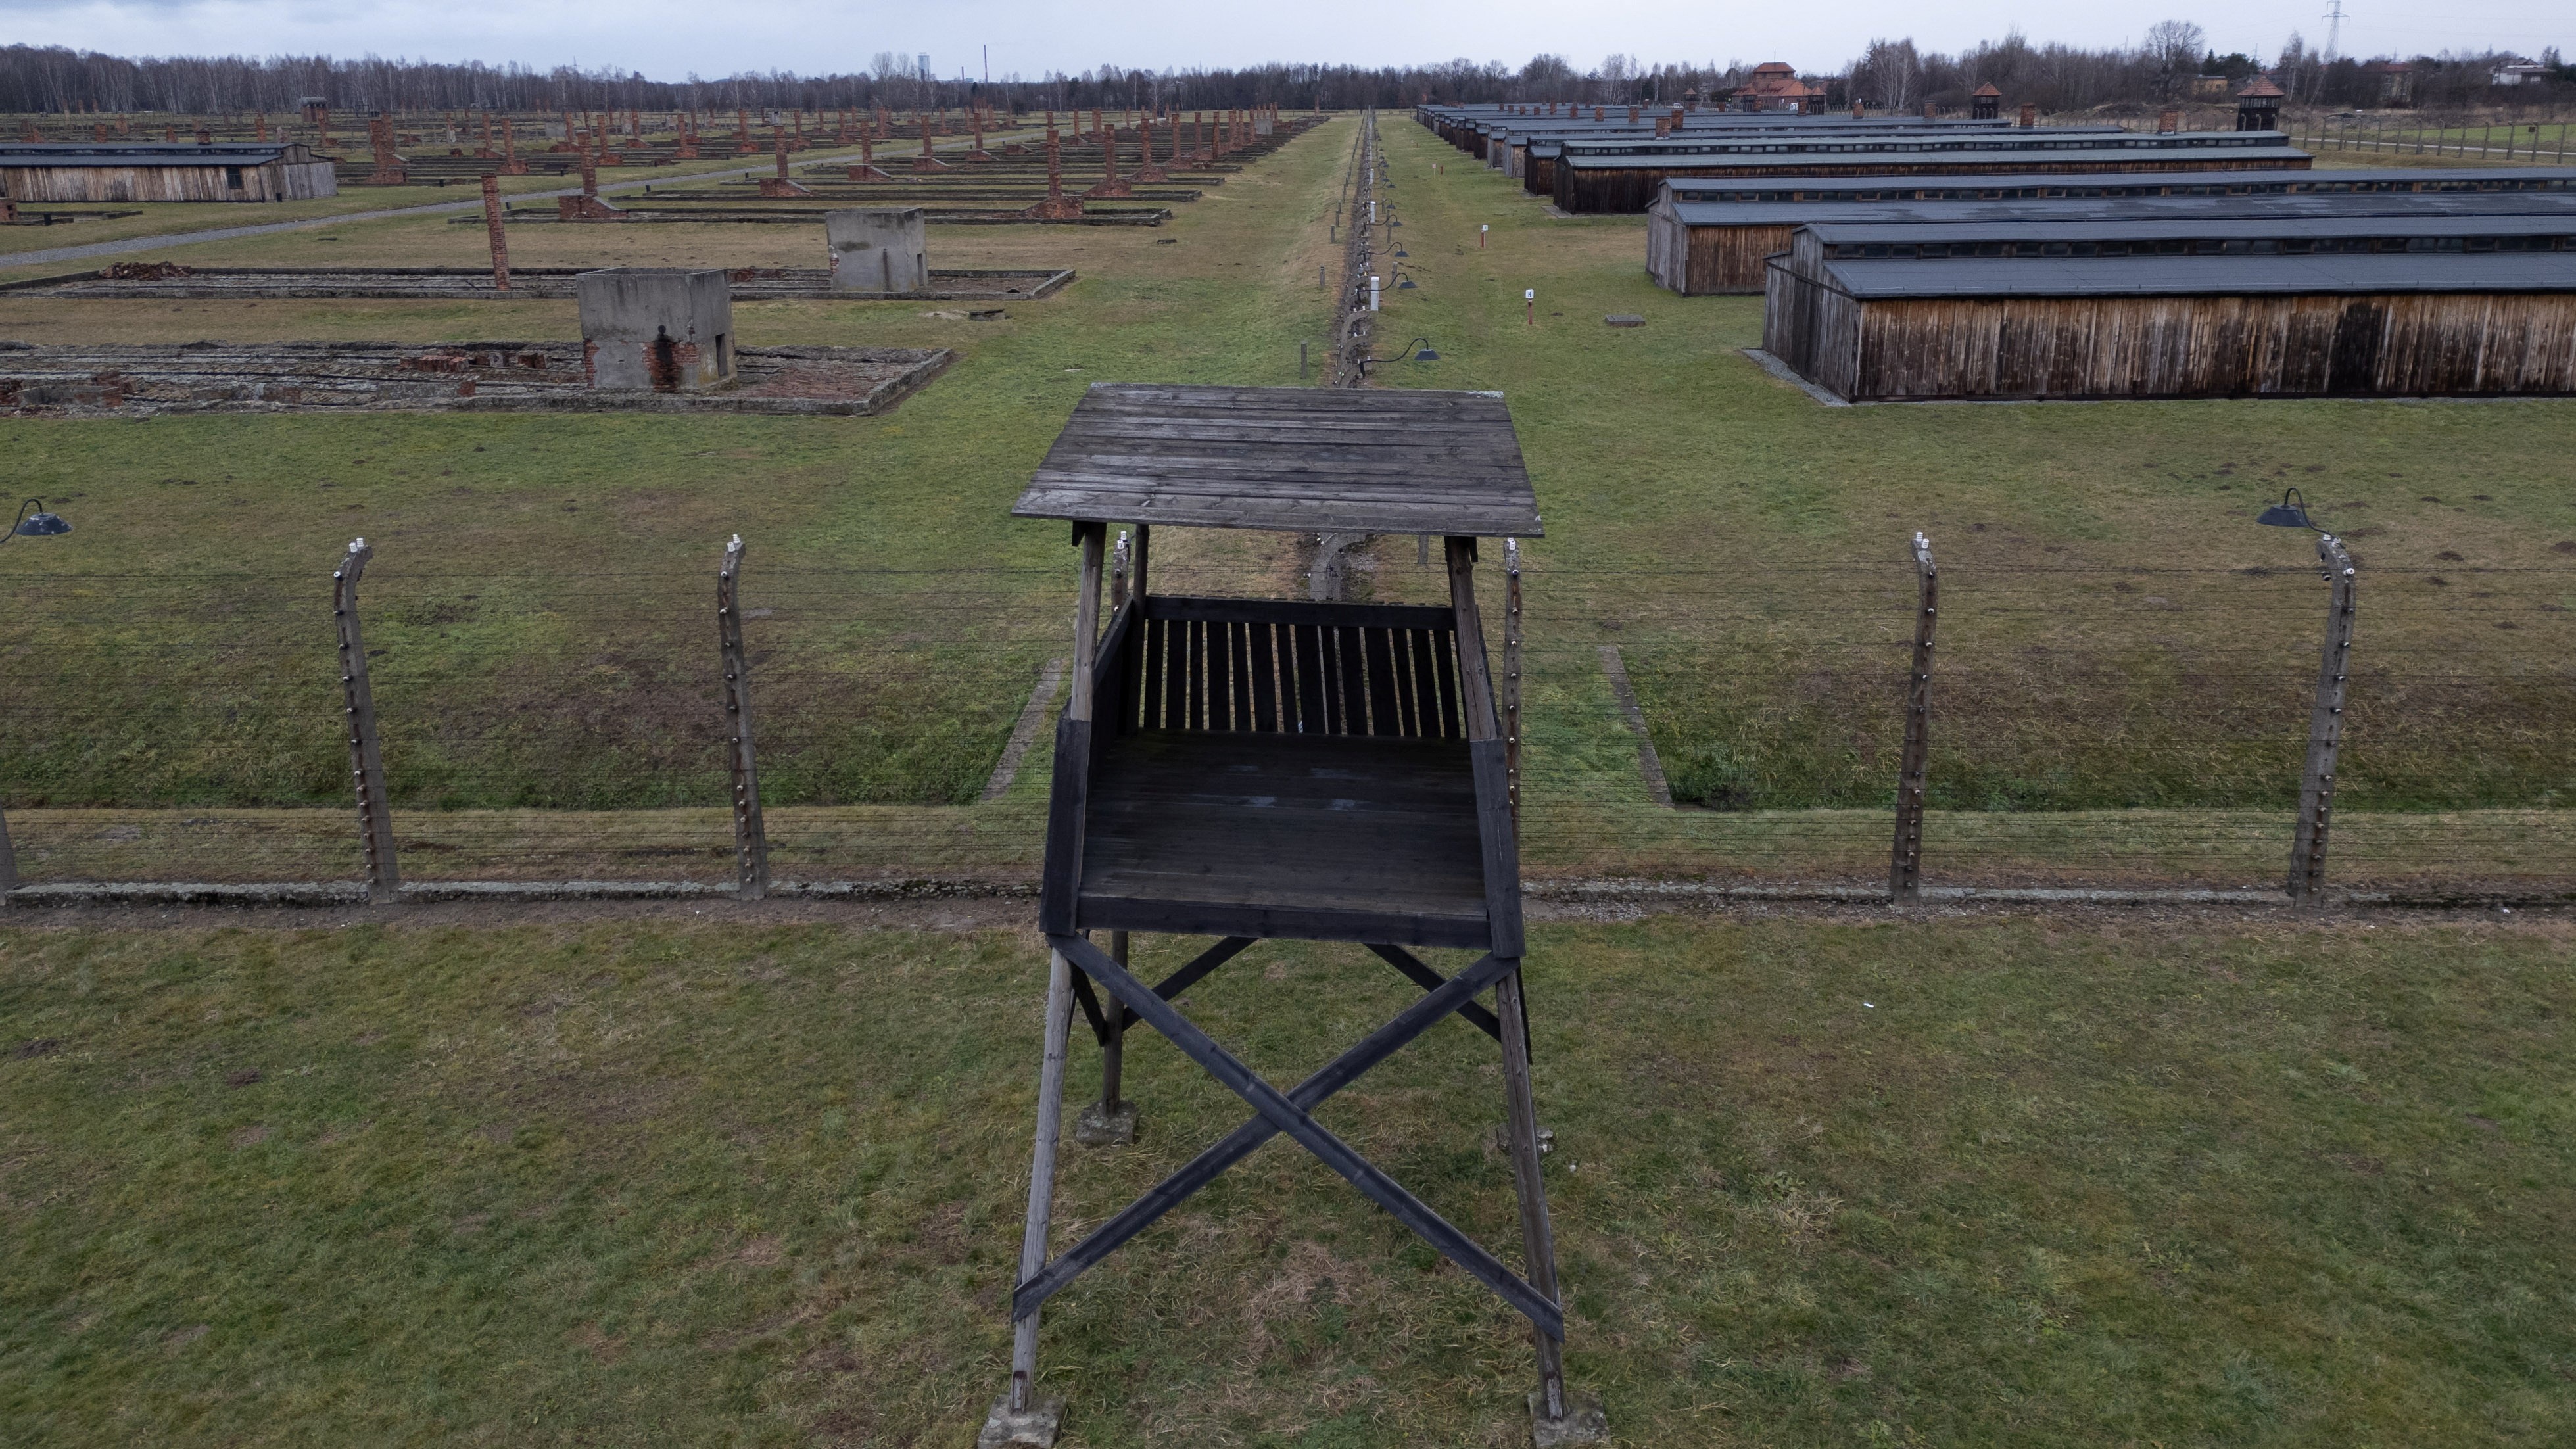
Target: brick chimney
column 492, row 230
column 2029, row 115
column 2168, row 122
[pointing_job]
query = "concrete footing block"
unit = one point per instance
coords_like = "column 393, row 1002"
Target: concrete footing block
column 1034, row 1427
column 1096, row 1128
column 1585, row 1422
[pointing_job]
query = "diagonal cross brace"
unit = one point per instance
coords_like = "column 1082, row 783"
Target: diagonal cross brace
column 1205, row 1168
column 1169, row 987
column 1430, row 980
column 1280, row 1113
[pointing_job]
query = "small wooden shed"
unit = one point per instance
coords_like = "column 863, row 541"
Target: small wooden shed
column 162, row 171
column 2370, row 306
column 1251, row 769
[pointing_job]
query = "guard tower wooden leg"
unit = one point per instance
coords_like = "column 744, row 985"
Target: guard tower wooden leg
column 1111, row 1121
column 1557, row 1416
column 1019, row 1418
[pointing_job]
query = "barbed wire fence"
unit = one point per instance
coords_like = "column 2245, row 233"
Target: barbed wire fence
column 2085, row 726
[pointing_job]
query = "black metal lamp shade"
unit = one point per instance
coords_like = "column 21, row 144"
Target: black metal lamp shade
column 2290, row 512
column 39, row 523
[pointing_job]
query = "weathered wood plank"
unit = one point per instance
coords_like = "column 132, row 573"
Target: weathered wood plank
column 1352, row 674
column 1238, row 638
column 1288, row 458
column 1290, row 611
column 1291, row 515
column 1265, row 682
column 1307, row 655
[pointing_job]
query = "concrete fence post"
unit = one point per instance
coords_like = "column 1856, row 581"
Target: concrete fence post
column 366, row 754
column 1905, row 863
column 750, row 839
column 2325, row 728
column 8, row 857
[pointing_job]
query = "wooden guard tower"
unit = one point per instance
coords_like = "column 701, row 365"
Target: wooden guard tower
column 1252, row 769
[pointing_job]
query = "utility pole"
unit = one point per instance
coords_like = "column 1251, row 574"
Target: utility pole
column 2334, row 19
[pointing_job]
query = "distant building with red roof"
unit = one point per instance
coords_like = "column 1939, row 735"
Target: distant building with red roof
column 1776, row 87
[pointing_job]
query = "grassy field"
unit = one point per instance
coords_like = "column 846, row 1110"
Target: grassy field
column 2182, row 1182
column 542, row 583
column 2117, row 635
column 735, row 1176
column 153, row 219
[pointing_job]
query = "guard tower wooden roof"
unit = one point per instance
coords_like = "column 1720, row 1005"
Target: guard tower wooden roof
column 1295, row 459
column 1253, row 769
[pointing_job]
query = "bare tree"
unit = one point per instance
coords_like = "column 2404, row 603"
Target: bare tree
column 1889, row 75
column 2174, row 49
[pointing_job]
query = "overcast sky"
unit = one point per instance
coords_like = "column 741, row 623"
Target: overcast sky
column 668, row 40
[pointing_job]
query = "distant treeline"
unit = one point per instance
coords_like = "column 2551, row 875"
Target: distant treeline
column 1889, row 74
column 54, row 79
column 2174, row 64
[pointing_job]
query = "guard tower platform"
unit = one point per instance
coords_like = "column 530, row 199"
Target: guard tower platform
column 1255, row 769
column 1267, row 768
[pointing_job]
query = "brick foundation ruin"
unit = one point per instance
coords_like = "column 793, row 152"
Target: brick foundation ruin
column 152, row 378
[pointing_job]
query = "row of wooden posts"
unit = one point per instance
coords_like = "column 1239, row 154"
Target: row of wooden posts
column 2306, row 884
column 682, row 126
column 2421, row 139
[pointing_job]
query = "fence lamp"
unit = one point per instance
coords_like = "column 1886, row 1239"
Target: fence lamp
column 1419, row 347
column 37, row 523
column 2290, row 512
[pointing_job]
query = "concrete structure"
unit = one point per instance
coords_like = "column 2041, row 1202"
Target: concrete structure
column 161, row 171
column 660, row 328
column 877, row 250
